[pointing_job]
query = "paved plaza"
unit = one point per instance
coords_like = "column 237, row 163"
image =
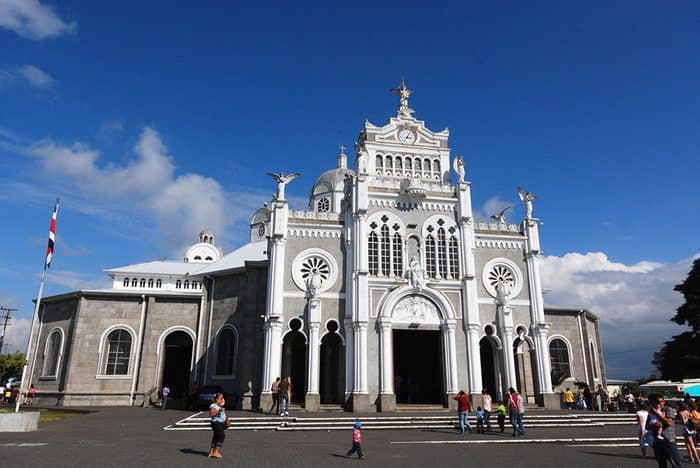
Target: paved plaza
column 127, row 437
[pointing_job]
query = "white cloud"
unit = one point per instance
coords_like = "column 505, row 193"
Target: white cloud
column 77, row 280
column 27, row 74
column 634, row 302
column 32, row 20
column 16, row 336
column 493, row 206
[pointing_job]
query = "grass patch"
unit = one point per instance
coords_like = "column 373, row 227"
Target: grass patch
column 47, row 415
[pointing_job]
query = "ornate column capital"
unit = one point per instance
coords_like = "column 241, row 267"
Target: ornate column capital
column 360, row 326
column 385, row 325
column 314, row 326
column 474, row 328
column 449, row 325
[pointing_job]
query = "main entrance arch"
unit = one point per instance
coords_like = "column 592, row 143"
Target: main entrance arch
column 294, row 360
column 177, row 362
column 417, row 346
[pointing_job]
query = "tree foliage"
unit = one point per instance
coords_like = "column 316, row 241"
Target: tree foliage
column 679, row 358
column 11, row 365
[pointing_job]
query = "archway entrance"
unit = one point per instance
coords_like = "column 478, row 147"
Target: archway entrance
column 524, row 370
column 331, row 363
column 177, row 363
column 418, row 367
column 488, row 366
column 294, row 364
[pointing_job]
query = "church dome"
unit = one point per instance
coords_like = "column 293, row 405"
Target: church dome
column 331, row 181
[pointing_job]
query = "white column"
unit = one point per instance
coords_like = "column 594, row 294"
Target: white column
column 349, row 356
column 314, row 357
column 360, row 357
column 544, row 366
column 450, row 347
column 386, row 346
column 475, row 382
column 272, row 359
column 508, row 359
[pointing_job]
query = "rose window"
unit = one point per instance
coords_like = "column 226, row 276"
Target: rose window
column 501, row 274
column 502, row 271
column 315, row 266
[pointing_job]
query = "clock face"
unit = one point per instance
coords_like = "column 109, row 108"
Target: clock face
column 407, row 137
column 261, row 230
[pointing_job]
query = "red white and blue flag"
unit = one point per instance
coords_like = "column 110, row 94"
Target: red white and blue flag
column 52, row 236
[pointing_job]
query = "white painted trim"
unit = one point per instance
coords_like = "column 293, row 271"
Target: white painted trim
column 337, row 332
column 323, row 295
column 101, row 357
column 514, row 302
column 59, row 356
column 569, row 348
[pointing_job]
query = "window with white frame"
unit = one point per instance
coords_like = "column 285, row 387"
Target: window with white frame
column 52, row 353
column 385, row 247
column 559, row 357
column 118, row 352
column 441, row 248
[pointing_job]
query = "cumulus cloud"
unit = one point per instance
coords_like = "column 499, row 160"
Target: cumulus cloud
column 16, row 335
column 493, row 206
column 26, row 74
column 32, row 20
column 77, row 280
column 634, row 302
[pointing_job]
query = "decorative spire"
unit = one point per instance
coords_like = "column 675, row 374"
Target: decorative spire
column 403, row 93
column 342, row 158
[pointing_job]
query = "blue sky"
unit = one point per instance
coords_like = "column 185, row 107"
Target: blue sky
column 151, row 121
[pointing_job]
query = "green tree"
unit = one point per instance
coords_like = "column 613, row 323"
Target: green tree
column 11, row 365
column 679, row 357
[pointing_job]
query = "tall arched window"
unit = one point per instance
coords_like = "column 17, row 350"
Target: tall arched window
column 426, row 168
column 408, row 166
column 226, row 352
column 430, row 256
column 559, row 357
column 134, row 282
column 380, row 164
column 398, row 255
column 142, row 283
column 159, row 283
column 373, row 253
column 454, row 258
column 388, row 165
column 436, row 168
column 118, row 349
column 593, row 362
column 52, row 353
column 178, row 284
column 442, row 253
column 385, row 253
column 187, row 284
column 150, row 282
column 398, row 165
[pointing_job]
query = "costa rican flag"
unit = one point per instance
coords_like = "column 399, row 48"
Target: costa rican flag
column 52, row 236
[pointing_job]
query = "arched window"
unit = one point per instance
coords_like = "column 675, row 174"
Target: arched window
column 142, row 283
column 442, row 253
column 208, row 259
column 436, row 168
column 373, row 253
column 398, row 165
column 380, row 163
column 150, row 282
column 430, row 256
column 398, row 255
column 559, row 357
column 409, row 165
column 134, row 282
column 426, row 167
column 118, row 348
column 226, row 352
column 178, row 284
column 388, row 165
column 126, row 282
column 194, row 284
column 593, row 362
column 197, row 257
column 187, row 284
column 417, row 165
column 385, row 253
column 52, row 353
column 454, row 258
column 159, row 283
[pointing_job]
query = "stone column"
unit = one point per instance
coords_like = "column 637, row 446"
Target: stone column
column 386, row 345
column 508, row 359
column 349, row 358
column 448, row 333
column 272, row 359
column 313, row 401
column 475, row 381
column 361, row 403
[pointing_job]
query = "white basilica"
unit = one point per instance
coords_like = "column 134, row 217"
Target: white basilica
column 385, row 292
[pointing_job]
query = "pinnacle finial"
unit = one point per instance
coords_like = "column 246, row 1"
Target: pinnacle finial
column 403, row 92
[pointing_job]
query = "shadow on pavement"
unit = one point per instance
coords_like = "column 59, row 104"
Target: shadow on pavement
column 189, row 451
column 618, row 455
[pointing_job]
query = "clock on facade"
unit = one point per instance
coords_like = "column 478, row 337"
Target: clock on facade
column 407, row 136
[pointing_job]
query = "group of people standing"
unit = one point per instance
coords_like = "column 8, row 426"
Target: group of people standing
column 281, row 396
column 657, row 429
column 585, row 399
column 514, row 406
column 10, row 394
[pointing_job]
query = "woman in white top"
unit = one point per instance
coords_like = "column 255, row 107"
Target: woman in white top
column 218, row 425
column 487, row 405
column 645, row 437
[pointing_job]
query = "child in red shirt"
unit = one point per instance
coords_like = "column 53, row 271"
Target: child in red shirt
column 356, row 439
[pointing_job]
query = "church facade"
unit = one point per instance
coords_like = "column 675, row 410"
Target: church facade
column 385, row 292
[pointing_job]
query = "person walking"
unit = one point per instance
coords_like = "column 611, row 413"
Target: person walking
column 165, row 391
column 661, row 423
column 479, row 420
column 601, row 396
column 31, row 393
column 217, row 412
column 501, row 416
column 487, row 404
column 517, row 410
column 588, row 397
column 569, row 398
column 275, row 396
column 356, row 441
column 645, row 437
column 689, row 432
column 283, row 391
column 463, row 411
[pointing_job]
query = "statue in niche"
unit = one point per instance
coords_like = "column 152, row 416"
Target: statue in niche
column 503, row 292
column 458, row 166
column 282, row 180
column 361, row 161
column 415, row 274
column 527, row 198
column 313, row 284
column 501, row 217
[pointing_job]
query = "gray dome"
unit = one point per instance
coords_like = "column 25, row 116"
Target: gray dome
column 331, row 181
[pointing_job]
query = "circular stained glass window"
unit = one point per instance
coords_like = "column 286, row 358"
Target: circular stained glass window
column 315, row 266
column 502, row 270
column 501, row 274
column 261, row 230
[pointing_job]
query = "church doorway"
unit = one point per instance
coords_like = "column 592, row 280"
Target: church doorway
column 294, row 361
column 177, row 363
column 488, row 366
column 524, row 370
column 331, row 363
column 418, row 367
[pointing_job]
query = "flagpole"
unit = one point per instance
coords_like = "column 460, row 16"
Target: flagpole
column 23, row 384
column 47, row 263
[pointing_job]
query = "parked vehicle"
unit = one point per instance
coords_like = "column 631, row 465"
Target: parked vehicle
column 12, row 382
